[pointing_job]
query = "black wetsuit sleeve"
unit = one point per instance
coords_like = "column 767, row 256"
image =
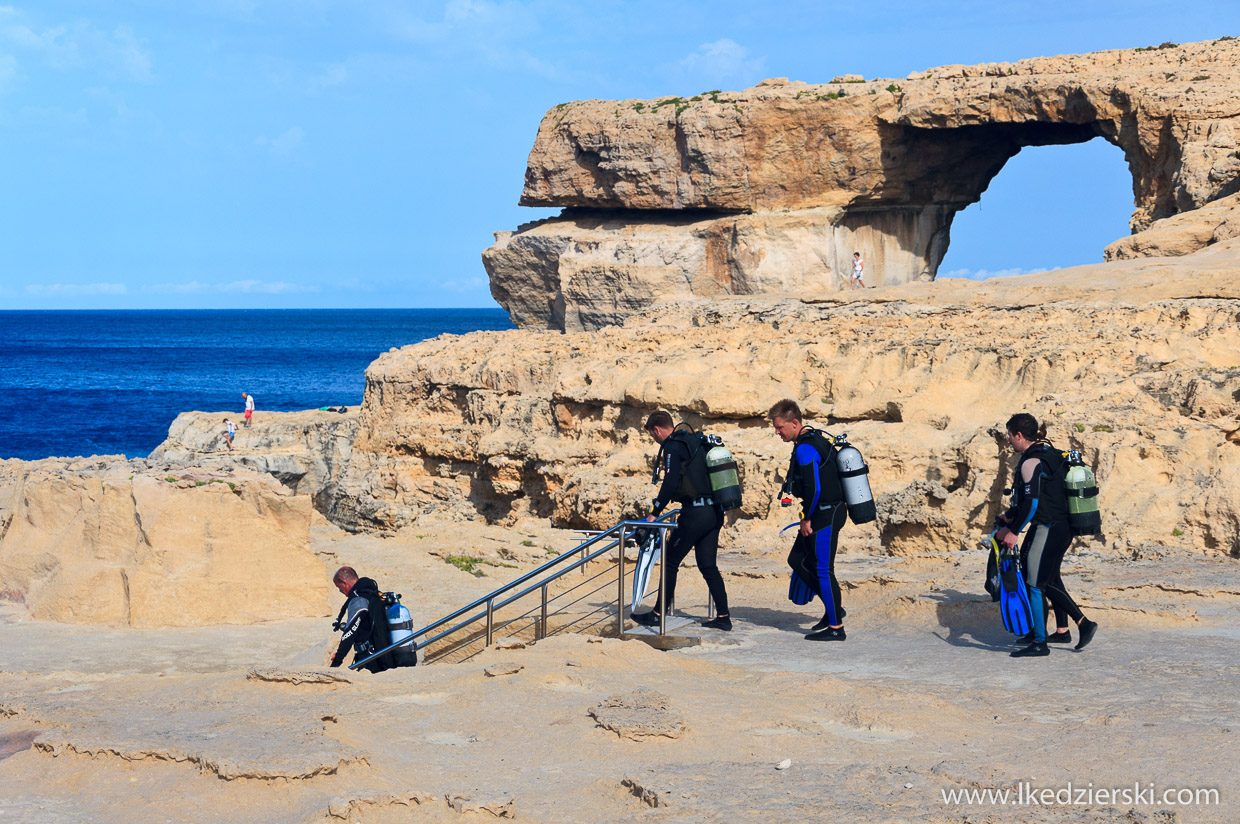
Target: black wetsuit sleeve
column 1025, row 502
column 673, row 456
column 358, row 628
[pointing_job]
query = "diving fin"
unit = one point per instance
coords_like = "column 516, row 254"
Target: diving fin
column 1013, row 595
column 648, row 554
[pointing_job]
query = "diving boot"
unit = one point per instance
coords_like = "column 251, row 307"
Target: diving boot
column 828, row 634
column 826, row 620
column 1088, row 628
column 1034, row 650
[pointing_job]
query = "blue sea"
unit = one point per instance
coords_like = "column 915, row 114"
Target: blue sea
column 111, row 382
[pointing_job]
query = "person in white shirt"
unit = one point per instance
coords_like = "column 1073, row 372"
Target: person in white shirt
column 858, row 268
column 249, row 409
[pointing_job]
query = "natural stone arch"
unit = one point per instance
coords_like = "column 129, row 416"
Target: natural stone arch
column 769, row 189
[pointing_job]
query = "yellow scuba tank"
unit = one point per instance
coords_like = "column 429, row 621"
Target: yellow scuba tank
column 725, row 483
column 1082, row 491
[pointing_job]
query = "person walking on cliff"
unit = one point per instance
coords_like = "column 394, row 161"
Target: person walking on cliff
column 230, row 431
column 249, row 408
column 683, row 463
column 814, row 477
column 858, row 269
column 1039, row 502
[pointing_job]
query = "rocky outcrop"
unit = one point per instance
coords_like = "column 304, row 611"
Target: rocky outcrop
column 305, row 451
column 1182, row 234
column 772, row 188
column 1133, row 362
column 108, row 541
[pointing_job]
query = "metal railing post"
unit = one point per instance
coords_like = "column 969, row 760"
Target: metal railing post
column 490, row 620
column 663, row 582
column 543, row 634
column 620, row 587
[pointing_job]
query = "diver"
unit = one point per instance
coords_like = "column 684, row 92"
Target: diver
column 813, row 476
column 1040, row 503
column 682, row 459
column 366, row 627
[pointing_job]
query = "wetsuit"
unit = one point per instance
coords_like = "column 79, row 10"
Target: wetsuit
column 1042, row 505
column 682, row 460
column 815, row 479
column 366, row 629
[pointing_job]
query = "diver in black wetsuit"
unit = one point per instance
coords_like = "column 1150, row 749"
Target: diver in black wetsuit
column 682, row 460
column 1040, row 503
column 363, row 621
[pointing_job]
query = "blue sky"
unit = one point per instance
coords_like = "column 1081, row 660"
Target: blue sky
column 360, row 154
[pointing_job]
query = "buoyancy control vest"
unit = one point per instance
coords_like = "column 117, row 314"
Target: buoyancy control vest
column 1053, row 500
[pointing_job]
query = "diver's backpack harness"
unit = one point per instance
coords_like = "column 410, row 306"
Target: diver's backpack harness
column 851, row 469
column 1080, row 488
column 710, row 472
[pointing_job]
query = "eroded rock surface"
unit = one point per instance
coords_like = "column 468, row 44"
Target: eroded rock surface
column 639, row 715
column 774, row 187
column 1134, row 362
column 306, row 451
column 120, row 542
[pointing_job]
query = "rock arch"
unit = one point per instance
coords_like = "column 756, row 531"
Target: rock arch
column 770, row 189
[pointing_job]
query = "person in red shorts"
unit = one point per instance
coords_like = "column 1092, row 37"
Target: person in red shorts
column 249, row 408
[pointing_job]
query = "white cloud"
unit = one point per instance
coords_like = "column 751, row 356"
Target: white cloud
column 723, row 59
column 333, row 74
column 465, row 284
column 495, row 30
column 246, row 287
column 79, row 46
column 75, row 290
column 284, row 144
column 986, row 274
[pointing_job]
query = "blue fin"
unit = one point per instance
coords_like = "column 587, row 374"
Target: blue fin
column 1014, row 598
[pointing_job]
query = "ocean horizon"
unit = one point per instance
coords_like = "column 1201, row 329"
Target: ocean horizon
column 105, row 382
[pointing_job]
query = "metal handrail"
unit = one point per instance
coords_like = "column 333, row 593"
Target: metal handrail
column 488, row 600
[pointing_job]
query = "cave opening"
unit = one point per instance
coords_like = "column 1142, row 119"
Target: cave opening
column 1049, row 207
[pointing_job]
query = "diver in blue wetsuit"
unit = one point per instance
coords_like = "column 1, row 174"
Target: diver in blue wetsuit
column 1040, row 504
column 813, row 476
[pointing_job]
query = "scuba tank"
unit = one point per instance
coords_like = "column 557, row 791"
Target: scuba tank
column 1082, row 490
column 400, row 625
column 853, row 472
column 725, row 484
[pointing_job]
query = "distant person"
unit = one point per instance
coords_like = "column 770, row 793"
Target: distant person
column 363, row 620
column 249, row 408
column 1040, row 502
column 230, row 431
column 858, row 270
column 814, row 477
column 683, row 463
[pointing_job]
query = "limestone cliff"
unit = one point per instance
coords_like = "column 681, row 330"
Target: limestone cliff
column 772, row 188
column 1135, row 362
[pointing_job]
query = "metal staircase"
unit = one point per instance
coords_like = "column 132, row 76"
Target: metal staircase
column 477, row 623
